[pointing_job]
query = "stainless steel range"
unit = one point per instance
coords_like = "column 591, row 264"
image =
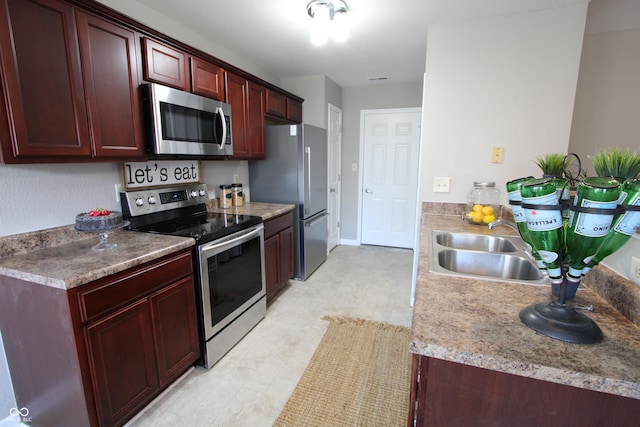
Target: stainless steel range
column 228, row 256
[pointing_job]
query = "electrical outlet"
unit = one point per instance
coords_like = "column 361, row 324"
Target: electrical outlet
column 441, row 184
column 634, row 274
column 118, row 190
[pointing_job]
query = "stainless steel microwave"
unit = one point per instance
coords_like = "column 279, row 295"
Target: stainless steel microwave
column 184, row 124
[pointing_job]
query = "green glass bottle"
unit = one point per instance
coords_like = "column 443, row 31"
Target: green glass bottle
column 586, row 230
column 544, row 225
column 562, row 191
column 513, row 193
column 623, row 226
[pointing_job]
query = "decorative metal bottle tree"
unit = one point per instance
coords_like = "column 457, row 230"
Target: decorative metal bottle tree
column 575, row 243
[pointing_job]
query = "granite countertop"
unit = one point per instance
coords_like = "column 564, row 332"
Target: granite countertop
column 475, row 322
column 264, row 210
column 62, row 257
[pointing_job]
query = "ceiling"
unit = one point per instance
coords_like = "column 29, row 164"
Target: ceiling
column 387, row 38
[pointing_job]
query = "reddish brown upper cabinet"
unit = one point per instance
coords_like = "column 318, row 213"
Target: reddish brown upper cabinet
column 110, row 70
column 247, row 117
column 207, row 79
column 294, row 110
column 280, row 106
column 41, row 82
column 165, row 65
column 275, row 104
column 70, row 83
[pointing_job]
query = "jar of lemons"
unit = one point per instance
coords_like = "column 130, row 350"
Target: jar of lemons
column 483, row 203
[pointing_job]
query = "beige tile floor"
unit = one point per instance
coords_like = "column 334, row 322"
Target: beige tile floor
column 252, row 383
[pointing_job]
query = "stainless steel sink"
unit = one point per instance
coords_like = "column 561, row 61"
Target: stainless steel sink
column 475, row 242
column 501, row 258
column 488, row 264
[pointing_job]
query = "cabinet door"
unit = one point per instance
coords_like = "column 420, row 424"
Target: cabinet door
column 110, row 70
column 275, row 104
column 207, row 79
column 255, row 121
column 41, row 77
column 236, row 88
column 294, row 110
column 286, row 255
column 164, row 64
column 121, row 356
column 175, row 332
column 272, row 264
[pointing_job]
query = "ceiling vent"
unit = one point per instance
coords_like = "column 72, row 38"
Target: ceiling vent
column 377, row 78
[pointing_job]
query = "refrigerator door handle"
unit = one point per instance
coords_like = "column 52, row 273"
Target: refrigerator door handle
column 315, row 220
column 307, row 151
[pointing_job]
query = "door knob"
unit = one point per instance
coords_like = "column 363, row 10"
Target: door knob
column 366, row 190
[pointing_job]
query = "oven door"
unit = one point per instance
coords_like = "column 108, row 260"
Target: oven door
column 232, row 277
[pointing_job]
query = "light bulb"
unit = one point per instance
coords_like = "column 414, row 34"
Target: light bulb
column 320, row 25
column 339, row 27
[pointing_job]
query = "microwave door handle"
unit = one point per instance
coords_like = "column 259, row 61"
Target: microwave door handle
column 220, row 113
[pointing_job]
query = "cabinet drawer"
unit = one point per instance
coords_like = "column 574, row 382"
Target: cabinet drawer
column 276, row 224
column 120, row 289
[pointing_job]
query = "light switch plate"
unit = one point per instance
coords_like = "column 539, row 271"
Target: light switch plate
column 634, row 274
column 497, row 154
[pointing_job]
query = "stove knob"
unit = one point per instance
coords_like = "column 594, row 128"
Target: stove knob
column 194, row 193
column 202, row 193
column 152, row 200
column 139, row 201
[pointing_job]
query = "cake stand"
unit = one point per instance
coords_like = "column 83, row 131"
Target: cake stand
column 103, row 236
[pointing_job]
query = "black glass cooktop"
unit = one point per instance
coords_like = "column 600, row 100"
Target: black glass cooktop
column 201, row 225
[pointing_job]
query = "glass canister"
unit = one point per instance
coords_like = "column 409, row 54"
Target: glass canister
column 237, row 194
column 226, row 197
column 483, row 203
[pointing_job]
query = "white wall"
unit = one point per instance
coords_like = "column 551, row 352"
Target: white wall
column 50, row 195
column 606, row 109
column 506, row 81
column 608, row 95
column 355, row 99
column 317, row 90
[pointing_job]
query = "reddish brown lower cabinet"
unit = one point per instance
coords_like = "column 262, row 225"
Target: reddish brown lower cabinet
column 452, row 394
column 278, row 253
column 98, row 353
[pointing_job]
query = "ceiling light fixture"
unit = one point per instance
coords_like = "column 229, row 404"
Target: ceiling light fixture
column 329, row 20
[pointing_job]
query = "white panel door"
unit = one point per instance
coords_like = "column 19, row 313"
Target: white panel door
column 390, row 177
column 333, row 202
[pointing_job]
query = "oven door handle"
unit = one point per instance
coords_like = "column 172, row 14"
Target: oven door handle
column 224, row 244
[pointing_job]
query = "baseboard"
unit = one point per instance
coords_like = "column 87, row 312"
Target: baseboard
column 348, row 242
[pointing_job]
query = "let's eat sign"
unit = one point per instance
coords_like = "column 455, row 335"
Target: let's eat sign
column 160, row 173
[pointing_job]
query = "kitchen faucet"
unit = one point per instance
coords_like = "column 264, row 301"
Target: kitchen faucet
column 503, row 222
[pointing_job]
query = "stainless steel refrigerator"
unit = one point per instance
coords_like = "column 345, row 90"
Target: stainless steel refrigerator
column 295, row 171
